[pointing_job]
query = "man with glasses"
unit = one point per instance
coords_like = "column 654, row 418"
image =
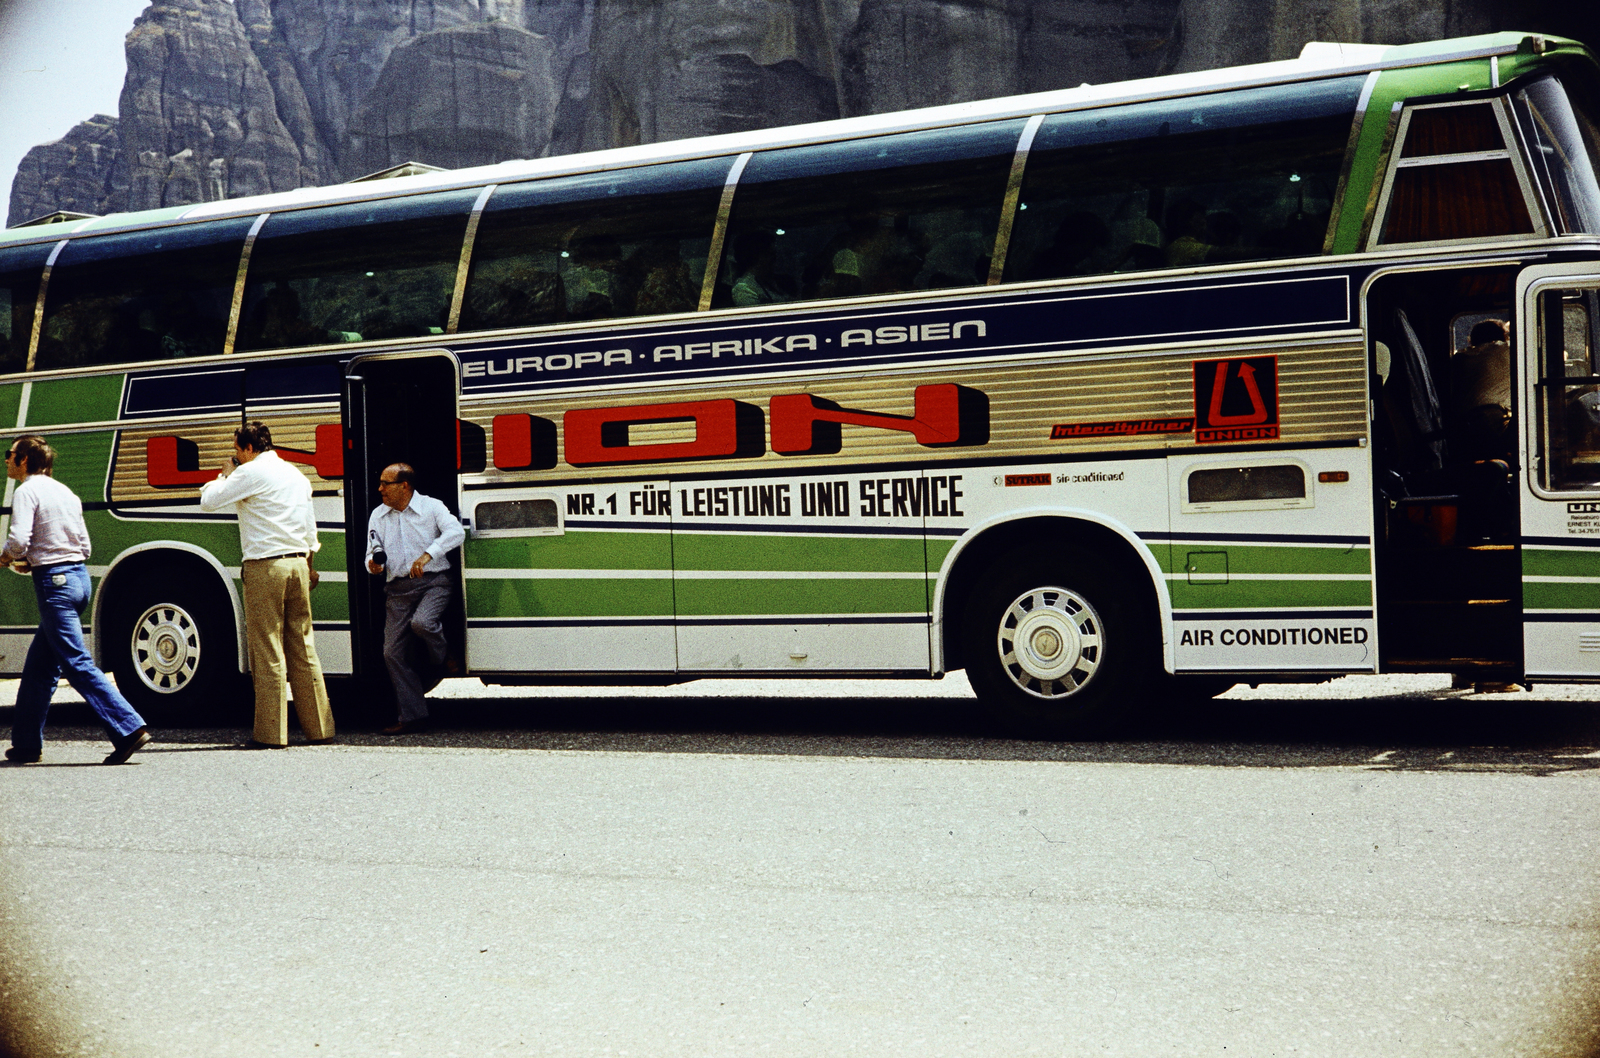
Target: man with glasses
column 49, row 540
column 278, row 536
column 414, row 534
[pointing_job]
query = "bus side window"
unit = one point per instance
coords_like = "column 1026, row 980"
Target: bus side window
column 1570, row 431
column 144, row 295
column 20, row 269
column 630, row 242
column 914, row 211
column 1234, row 176
column 1454, row 178
column 356, row 272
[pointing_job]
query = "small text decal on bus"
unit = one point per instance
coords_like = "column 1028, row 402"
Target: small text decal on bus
column 1236, row 399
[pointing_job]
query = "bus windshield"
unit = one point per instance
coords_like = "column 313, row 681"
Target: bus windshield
column 1565, row 142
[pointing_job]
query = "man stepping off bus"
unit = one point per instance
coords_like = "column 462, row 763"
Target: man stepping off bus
column 409, row 536
column 49, row 540
column 278, row 535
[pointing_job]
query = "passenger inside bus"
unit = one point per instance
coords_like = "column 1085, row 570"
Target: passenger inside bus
column 1479, row 417
column 754, row 256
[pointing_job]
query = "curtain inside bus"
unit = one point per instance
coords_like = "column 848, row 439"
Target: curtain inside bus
column 632, row 242
column 1234, row 176
column 356, row 272
column 144, row 295
column 20, row 269
column 914, row 211
column 1566, row 151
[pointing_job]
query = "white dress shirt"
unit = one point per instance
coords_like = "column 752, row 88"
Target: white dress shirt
column 273, row 501
column 426, row 525
column 47, row 524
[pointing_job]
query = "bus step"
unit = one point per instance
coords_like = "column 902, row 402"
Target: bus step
column 1473, row 665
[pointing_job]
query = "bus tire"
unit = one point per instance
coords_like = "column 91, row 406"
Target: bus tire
column 1059, row 650
column 172, row 645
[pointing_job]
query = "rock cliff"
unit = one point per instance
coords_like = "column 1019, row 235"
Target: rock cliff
column 232, row 98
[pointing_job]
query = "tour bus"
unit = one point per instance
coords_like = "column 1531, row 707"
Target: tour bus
column 1102, row 394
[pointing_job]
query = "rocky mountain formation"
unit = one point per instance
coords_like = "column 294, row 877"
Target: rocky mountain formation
column 225, row 98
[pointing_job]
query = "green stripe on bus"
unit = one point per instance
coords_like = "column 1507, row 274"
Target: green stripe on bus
column 852, row 554
column 578, row 597
column 1537, row 596
column 1249, row 594
column 580, row 549
column 1285, row 559
column 1538, row 562
column 704, row 598
column 81, row 461
column 18, row 605
column 93, row 398
column 10, row 401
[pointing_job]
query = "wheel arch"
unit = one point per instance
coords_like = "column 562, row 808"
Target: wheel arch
column 1091, row 529
column 148, row 554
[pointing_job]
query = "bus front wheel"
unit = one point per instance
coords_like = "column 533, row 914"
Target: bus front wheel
column 1057, row 651
column 172, row 646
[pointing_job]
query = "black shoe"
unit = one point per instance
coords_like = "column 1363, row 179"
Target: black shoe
column 406, row 727
column 320, row 741
column 17, row 756
column 127, row 744
column 254, row 744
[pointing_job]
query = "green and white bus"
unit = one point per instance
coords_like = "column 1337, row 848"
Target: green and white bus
column 1082, row 392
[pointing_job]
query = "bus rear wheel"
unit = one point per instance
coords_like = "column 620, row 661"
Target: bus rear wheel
column 172, row 646
column 1057, row 651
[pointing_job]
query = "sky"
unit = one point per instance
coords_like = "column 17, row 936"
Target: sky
column 61, row 61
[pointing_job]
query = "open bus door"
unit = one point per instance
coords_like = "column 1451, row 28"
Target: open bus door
column 1561, row 483
column 398, row 408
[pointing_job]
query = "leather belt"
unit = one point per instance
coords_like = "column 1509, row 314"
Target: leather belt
column 270, row 558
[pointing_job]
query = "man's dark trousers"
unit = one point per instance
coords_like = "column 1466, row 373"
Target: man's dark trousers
column 413, row 606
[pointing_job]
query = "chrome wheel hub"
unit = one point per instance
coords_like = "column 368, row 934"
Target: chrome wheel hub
column 166, row 648
column 1050, row 642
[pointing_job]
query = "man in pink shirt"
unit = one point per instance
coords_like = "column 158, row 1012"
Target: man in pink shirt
column 49, row 540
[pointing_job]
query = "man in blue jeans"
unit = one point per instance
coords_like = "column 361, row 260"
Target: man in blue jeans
column 49, row 540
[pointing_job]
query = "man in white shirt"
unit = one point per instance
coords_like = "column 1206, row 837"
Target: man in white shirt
column 49, row 540
column 278, row 536
column 414, row 533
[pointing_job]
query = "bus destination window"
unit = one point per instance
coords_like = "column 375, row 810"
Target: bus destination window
column 1561, row 133
column 20, row 269
column 1454, row 178
column 631, row 242
column 145, row 295
column 358, row 272
column 1234, row 176
column 912, row 211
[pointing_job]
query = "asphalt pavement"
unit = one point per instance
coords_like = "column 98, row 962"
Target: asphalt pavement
column 1370, row 867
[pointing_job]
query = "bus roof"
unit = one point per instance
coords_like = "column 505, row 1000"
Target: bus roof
column 1316, row 61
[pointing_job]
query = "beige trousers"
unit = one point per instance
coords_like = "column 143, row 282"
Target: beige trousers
column 277, row 613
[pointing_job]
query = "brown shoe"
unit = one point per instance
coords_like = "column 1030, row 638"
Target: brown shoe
column 258, row 744
column 406, row 727
column 126, row 745
column 320, row 741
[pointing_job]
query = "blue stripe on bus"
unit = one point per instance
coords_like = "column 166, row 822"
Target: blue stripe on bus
column 1266, row 538
column 561, row 622
column 1269, row 615
column 813, row 336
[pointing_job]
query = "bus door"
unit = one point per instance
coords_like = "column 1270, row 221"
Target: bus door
column 1445, row 421
column 398, row 408
column 1561, row 483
